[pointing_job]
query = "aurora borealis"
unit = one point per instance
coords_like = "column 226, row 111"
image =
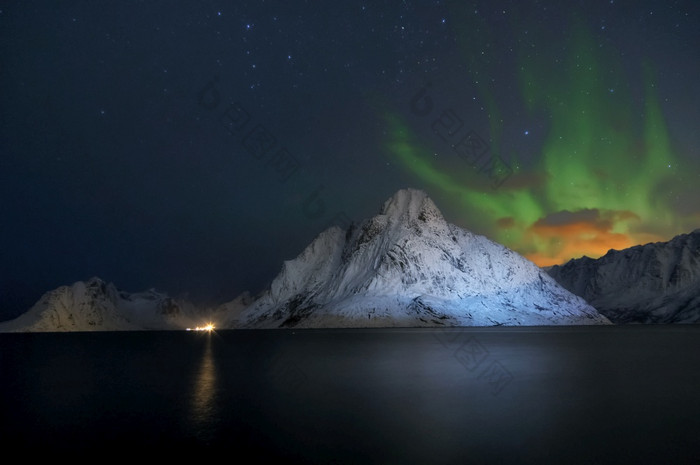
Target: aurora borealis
column 558, row 129
column 606, row 174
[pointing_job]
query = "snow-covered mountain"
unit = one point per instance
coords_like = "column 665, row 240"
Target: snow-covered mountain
column 94, row 305
column 653, row 283
column 408, row 267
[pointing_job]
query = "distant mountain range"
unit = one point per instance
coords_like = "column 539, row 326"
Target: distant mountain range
column 95, row 305
column 408, row 267
column 652, row 283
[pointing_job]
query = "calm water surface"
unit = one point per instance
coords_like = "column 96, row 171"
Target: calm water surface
column 488, row 395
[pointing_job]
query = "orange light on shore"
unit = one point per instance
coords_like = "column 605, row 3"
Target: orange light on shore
column 209, row 328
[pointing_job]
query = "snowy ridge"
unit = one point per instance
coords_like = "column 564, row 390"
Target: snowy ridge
column 653, row 283
column 408, row 267
column 94, row 305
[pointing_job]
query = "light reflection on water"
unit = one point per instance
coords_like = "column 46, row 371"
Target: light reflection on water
column 203, row 412
column 564, row 395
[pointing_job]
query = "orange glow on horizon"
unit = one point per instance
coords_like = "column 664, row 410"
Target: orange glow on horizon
column 558, row 244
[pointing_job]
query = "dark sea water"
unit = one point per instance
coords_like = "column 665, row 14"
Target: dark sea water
column 488, row 395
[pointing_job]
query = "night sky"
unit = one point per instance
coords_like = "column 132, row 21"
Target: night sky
column 191, row 147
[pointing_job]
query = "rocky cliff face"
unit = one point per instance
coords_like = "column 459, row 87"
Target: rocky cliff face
column 652, row 283
column 408, row 267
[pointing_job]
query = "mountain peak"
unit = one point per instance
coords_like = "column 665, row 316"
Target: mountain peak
column 411, row 204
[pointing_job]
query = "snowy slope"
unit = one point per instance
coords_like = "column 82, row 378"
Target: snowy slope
column 230, row 312
column 98, row 306
column 652, row 283
column 408, row 267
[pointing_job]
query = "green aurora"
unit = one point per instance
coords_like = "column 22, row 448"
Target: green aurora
column 598, row 180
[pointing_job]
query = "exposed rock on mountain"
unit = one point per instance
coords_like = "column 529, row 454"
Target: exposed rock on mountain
column 652, row 283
